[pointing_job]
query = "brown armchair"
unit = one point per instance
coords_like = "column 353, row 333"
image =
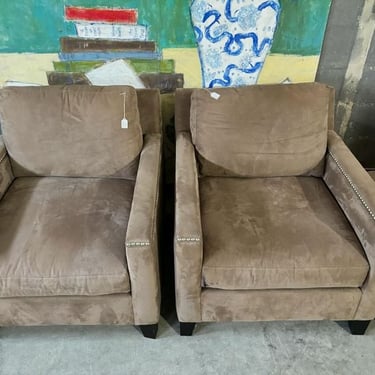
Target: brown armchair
column 275, row 218
column 79, row 205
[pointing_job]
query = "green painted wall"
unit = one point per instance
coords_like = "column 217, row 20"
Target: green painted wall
column 301, row 27
column 36, row 25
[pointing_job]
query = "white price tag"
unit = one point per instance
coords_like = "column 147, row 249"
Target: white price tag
column 124, row 123
column 215, row 95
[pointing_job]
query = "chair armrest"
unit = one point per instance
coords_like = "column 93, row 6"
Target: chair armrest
column 354, row 191
column 141, row 236
column 188, row 246
column 6, row 175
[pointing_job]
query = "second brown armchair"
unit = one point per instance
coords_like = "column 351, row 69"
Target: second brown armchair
column 275, row 218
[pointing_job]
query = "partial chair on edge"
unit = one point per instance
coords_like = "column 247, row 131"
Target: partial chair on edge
column 79, row 197
column 274, row 215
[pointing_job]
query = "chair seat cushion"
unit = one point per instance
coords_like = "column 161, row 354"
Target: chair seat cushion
column 285, row 232
column 372, row 174
column 64, row 236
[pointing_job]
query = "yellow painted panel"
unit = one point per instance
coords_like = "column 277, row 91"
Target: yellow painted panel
column 278, row 68
column 186, row 62
column 26, row 67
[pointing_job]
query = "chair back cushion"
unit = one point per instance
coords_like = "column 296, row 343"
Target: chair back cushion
column 70, row 130
column 261, row 130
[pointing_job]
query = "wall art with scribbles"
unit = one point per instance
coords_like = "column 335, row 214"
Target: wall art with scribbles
column 161, row 43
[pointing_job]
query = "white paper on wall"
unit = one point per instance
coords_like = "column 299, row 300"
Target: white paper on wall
column 117, row 72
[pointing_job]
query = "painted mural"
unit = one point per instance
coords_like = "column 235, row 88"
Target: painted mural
column 233, row 39
column 110, row 47
column 161, row 43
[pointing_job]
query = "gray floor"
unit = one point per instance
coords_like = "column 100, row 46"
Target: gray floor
column 227, row 348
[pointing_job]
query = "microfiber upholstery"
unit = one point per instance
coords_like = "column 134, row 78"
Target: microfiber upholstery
column 79, row 205
column 64, row 236
column 274, row 215
column 6, row 174
column 62, row 310
column 260, row 131
column 279, row 304
column 71, row 131
column 276, row 233
column 354, row 190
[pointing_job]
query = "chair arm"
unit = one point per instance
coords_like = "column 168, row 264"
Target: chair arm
column 354, row 191
column 6, row 175
column 188, row 246
column 141, row 236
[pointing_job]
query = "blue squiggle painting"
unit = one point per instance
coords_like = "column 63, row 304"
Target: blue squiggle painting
column 234, row 38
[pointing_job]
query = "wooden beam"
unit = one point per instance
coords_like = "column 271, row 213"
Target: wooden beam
column 70, row 44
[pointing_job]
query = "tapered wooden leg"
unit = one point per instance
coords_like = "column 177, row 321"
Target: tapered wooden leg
column 149, row 330
column 358, row 327
column 186, row 329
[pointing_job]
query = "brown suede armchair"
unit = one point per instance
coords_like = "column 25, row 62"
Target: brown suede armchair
column 79, row 205
column 275, row 218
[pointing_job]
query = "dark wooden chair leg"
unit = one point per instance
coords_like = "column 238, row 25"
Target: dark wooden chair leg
column 358, row 327
column 149, row 330
column 186, row 329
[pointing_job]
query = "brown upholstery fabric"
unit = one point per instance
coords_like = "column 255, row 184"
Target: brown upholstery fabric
column 291, row 222
column 149, row 110
column 64, row 236
column 182, row 110
column 70, row 130
column 188, row 233
column 6, row 174
column 183, row 104
column 331, row 109
column 293, row 304
column 354, row 190
column 207, row 168
column 141, row 236
column 3, row 150
column 275, row 233
column 261, row 130
column 62, row 310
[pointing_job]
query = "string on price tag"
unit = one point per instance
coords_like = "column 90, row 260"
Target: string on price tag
column 124, row 121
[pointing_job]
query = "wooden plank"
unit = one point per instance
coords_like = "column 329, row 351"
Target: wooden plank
column 153, row 66
column 101, row 15
column 70, row 44
column 164, row 82
column 76, row 66
column 139, row 65
column 67, row 78
column 107, row 56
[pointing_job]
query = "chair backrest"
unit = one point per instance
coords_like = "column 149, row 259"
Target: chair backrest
column 76, row 130
column 258, row 131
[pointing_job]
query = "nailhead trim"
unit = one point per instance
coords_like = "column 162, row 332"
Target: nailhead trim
column 134, row 244
column 188, row 239
column 352, row 185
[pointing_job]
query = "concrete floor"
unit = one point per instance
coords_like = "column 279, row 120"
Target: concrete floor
column 226, row 348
